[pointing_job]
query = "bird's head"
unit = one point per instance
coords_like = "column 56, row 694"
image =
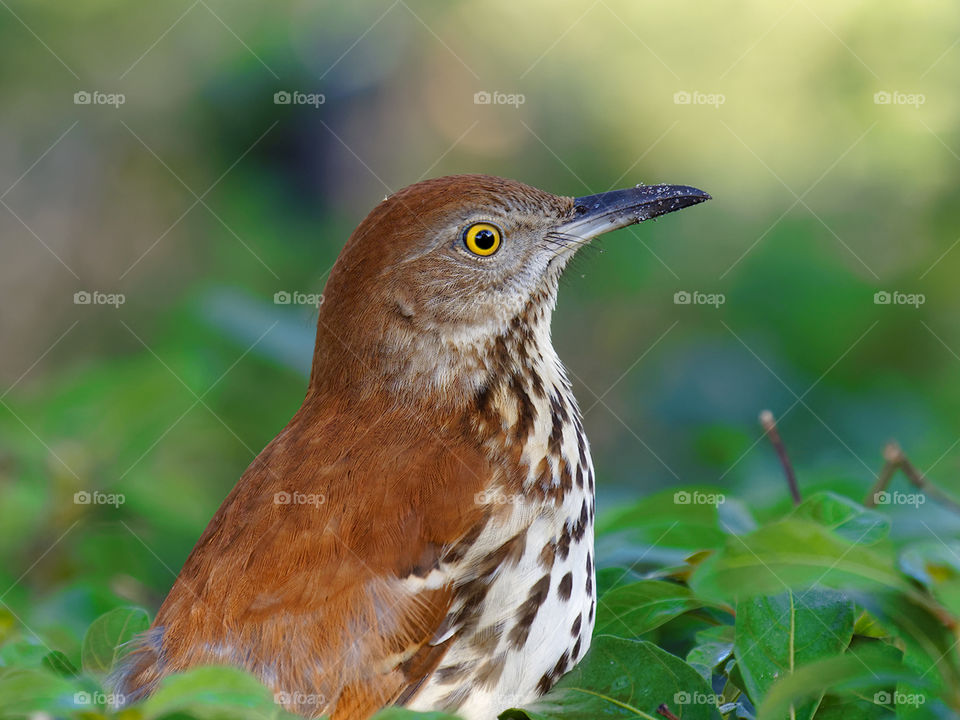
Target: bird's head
column 442, row 268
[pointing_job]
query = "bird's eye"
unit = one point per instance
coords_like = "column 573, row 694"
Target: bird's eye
column 482, row 239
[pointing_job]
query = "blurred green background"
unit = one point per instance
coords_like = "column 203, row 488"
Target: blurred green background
column 828, row 134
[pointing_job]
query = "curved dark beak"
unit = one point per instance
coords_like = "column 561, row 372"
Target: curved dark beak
column 597, row 214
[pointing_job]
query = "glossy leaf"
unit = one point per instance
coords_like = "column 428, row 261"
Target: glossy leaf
column 777, row 635
column 631, row 610
column 212, row 693
column 624, row 679
column 792, row 553
column 847, row 518
column 106, row 640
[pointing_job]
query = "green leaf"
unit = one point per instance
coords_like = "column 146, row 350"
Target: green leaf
column 631, row 610
column 214, row 692
column 399, row 713
column 32, row 690
column 58, row 663
column 870, row 670
column 847, row 518
column 793, row 553
column 714, row 645
column 669, row 519
column 851, row 707
column 107, row 637
column 776, row 635
column 609, row 578
column 25, row 653
column 624, row 679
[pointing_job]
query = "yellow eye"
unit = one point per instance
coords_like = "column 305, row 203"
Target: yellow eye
column 482, row 239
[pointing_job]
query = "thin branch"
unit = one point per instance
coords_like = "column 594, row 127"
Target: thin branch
column 665, row 711
column 895, row 459
column 769, row 425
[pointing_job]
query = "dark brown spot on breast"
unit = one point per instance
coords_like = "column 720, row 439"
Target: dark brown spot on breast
column 576, row 649
column 455, row 699
column 563, row 545
column 566, row 481
column 452, row 673
column 527, row 612
column 547, row 555
column 561, row 666
column 575, row 628
column 544, row 684
column 556, row 434
column 566, row 586
column 526, row 410
column 488, row 673
column 485, row 639
column 580, row 529
column 457, row 552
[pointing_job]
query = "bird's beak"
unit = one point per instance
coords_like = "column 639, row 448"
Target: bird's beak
column 598, row 214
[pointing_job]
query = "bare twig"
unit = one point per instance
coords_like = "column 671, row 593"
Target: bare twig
column 895, row 459
column 891, row 461
column 770, row 427
column 665, row 711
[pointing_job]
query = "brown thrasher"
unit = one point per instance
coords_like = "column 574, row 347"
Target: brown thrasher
column 421, row 532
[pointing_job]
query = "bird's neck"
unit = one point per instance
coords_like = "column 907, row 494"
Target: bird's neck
column 443, row 367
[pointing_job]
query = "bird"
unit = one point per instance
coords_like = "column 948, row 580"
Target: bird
column 421, row 532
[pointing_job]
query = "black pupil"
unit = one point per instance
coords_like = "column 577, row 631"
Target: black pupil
column 485, row 239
